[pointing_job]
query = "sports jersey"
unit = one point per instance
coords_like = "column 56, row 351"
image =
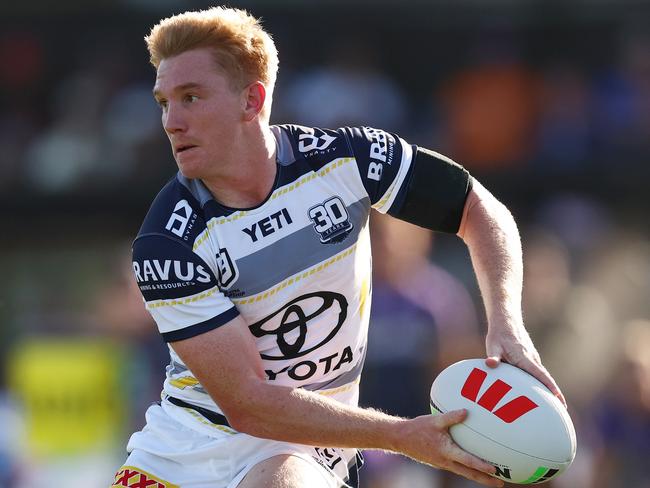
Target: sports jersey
column 297, row 267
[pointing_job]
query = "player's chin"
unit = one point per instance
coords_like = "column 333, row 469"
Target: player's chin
column 189, row 168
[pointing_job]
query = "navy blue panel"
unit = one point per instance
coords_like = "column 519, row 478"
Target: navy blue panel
column 202, row 327
column 315, row 146
column 175, row 212
column 294, row 171
column 166, row 268
column 213, row 208
column 379, row 155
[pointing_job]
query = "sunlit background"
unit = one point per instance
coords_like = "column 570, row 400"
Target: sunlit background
column 546, row 102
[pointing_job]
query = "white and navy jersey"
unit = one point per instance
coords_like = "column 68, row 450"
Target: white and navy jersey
column 297, row 268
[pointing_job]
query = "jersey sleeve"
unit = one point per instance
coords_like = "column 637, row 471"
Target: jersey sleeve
column 179, row 288
column 383, row 160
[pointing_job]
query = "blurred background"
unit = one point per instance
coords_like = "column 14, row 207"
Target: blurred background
column 546, row 102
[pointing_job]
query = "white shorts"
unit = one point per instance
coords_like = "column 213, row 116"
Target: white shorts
column 170, row 454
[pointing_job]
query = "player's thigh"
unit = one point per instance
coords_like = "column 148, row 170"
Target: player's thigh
column 286, row 471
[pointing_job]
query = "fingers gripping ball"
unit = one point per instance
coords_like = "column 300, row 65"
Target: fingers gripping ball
column 514, row 422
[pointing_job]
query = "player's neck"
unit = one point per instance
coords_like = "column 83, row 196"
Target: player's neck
column 253, row 174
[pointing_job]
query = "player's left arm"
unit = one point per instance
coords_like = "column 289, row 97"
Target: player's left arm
column 491, row 235
column 440, row 195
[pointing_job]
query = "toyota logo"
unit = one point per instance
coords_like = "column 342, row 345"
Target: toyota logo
column 293, row 317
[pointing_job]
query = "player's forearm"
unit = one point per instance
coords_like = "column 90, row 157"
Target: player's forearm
column 305, row 417
column 491, row 235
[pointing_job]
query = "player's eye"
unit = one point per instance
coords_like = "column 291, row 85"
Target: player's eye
column 162, row 103
column 191, row 98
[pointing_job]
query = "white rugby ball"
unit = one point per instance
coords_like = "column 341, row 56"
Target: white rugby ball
column 513, row 421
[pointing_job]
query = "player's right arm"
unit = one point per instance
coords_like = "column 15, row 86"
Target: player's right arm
column 227, row 363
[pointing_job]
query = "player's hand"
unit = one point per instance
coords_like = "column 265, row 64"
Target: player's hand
column 427, row 440
column 514, row 346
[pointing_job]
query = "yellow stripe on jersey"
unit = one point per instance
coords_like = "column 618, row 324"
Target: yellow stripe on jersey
column 184, row 382
column 397, row 182
column 183, row 301
column 204, row 421
column 203, row 236
column 388, row 194
column 337, row 163
column 363, row 296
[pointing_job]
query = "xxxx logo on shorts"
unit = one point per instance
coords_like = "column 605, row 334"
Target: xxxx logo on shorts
column 137, row 478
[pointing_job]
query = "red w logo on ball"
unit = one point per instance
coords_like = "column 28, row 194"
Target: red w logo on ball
column 509, row 412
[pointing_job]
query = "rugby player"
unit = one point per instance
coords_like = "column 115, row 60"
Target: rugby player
column 255, row 263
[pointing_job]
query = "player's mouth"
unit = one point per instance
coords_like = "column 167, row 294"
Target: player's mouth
column 181, row 148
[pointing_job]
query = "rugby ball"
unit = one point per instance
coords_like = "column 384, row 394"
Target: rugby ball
column 513, row 421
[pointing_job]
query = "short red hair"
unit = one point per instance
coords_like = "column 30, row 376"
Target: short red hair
column 243, row 49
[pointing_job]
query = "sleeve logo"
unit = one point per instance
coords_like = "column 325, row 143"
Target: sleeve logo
column 310, row 142
column 167, row 274
column 179, row 218
column 331, row 220
column 381, row 152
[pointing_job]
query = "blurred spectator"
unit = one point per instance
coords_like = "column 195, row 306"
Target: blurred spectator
column 21, row 73
column 16, row 132
column 429, row 308
column 131, row 124
column 621, row 271
column 71, row 397
column 65, row 155
column 581, row 222
column 22, row 55
column 13, row 461
column 83, row 383
column 565, row 316
column 434, row 316
column 491, row 108
column 622, row 414
column 622, row 105
column 101, row 115
column 547, row 279
column 348, row 89
column 565, row 127
column 131, row 326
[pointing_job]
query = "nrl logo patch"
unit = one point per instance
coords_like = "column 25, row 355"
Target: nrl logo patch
column 227, row 270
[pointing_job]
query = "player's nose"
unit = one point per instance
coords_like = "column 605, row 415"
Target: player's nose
column 173, row 120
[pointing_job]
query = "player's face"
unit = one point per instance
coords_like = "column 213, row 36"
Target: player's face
column 201, row 113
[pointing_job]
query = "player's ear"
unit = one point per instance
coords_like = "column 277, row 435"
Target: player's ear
column 254, row 96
